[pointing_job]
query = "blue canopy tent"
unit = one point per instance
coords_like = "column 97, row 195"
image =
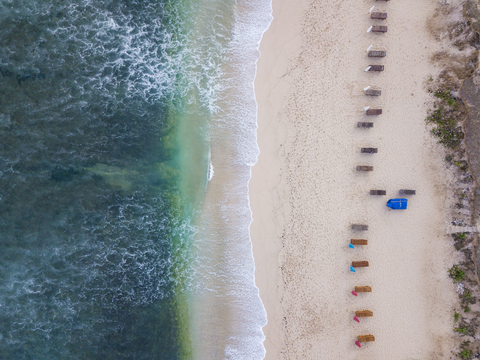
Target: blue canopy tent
column 397, row 204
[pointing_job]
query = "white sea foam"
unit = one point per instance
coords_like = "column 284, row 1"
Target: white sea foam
column 210, row 172
column 226, row 300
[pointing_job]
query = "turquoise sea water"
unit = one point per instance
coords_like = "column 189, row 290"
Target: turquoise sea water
column 127, row 136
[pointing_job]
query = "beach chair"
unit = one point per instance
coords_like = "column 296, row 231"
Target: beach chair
column 363, row 289
column 366, row 338
column 378, row 16
column 368, row 150
column 363, row 313
column 364, row 168
column 374, row 53
column 359, row 227
column 365, row 125
column 370, row 112
column 371, row 92
column 359, row 242
column 379, row 28
column 375, row 68
column 378, row 192
column 407, row 192
column 356, row 264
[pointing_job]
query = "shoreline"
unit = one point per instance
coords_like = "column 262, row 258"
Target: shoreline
column 305, row 193
column 264, row 188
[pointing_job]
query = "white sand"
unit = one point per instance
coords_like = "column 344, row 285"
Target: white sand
column 305, row 192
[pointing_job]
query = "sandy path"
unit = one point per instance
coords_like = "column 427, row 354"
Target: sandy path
column 305, row 192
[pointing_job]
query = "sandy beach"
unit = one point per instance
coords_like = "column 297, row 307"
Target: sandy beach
column 305, row 193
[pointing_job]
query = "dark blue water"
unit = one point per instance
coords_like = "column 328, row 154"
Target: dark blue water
column 91, row 220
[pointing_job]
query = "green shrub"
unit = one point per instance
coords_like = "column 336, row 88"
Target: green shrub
column 456, row 273
column 446, row 128
column 442, row 94
column 465, row 354
column 456, row 316
column 462, row 330
column 462, row 165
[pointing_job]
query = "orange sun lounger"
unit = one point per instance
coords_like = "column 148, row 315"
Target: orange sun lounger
column 364, row 313
column 366, row 338
column 359, row 242
column 363, row 289
column 356, row 264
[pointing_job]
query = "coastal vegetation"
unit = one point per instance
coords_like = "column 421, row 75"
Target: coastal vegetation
column 450, row 122
column 445, row 120
column 465, row 354
column 456, row 273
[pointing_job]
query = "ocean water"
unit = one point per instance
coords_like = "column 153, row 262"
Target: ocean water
column 128, row 131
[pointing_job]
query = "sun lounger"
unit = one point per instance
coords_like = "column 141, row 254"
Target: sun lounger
column 359, row 242
column 378, row 192
column 375, row 67
column 356, row 264
column 378, row 16
column 365, row 125
column 359, row 227
column 366, row 338
column 407, row 192
column 364, row 168
column 363, row 289
column 378, row 28
column 368, row 150
column 371, row 92
column 377, row 53
column 373, row 112
column 363, row 313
